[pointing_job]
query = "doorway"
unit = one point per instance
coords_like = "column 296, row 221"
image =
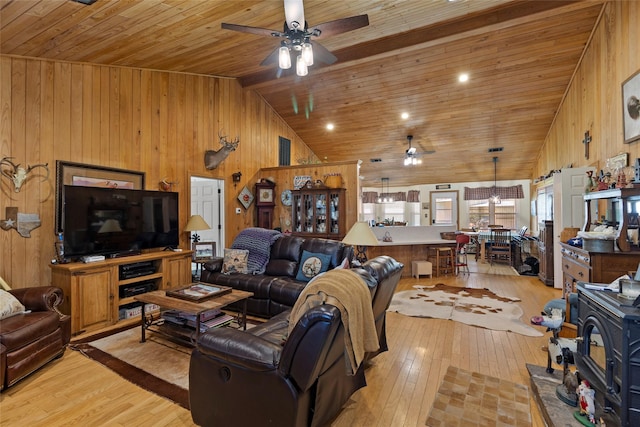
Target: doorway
column 207, row 200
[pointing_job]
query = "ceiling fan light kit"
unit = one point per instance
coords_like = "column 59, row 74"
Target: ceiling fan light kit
column 410, row 157
column 297, row 37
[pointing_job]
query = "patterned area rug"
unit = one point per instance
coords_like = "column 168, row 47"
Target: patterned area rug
column 471, row 306
column 470, row 399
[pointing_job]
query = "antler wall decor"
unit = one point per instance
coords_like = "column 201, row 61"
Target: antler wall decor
column 166, row 185
column 18, row 174
column 212, row 159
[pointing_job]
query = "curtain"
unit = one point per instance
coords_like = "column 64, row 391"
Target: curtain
column 413, row 196
column 483, row 193
column 369, row 197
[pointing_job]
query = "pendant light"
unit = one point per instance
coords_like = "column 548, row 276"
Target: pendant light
column 382, row 198
column 495, row 197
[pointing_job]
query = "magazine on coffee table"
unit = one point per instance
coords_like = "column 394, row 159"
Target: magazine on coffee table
column 198, row 291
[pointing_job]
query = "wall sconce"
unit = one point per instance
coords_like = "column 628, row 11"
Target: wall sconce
column 236, row 178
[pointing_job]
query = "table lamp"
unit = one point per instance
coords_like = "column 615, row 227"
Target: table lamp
column 361, row 236
column 195, row 223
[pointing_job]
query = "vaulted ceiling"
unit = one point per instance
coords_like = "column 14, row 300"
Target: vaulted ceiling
column 520, row 57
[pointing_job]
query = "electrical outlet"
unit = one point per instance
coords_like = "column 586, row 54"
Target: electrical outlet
column 238, row 211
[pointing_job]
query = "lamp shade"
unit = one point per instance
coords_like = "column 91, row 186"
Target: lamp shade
column 360, row 235
column 195, row 223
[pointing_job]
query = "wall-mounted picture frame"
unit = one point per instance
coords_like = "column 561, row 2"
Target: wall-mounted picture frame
column 80, row 174
column 631, row 108
column 203, row 251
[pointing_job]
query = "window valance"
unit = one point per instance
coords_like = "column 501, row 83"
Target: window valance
column 369, row 197
column 483, row 193
column 413, row 196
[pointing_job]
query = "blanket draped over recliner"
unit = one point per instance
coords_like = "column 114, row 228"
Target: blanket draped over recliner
column 347, row 291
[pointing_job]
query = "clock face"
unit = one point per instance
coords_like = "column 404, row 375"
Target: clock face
column 286, row 197
column 266, row 195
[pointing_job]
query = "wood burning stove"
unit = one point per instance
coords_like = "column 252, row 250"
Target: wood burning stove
column 608, row 353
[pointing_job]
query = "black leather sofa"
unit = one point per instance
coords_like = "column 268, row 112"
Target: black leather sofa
column 277, row 289
column 261, row 377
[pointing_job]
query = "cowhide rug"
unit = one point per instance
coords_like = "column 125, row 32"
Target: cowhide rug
column 476, row 307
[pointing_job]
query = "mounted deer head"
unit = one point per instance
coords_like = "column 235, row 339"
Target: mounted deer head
column 19, row 174
column 212, row 159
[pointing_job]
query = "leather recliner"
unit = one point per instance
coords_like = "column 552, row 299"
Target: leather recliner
column 30, row 340
column 255, row 378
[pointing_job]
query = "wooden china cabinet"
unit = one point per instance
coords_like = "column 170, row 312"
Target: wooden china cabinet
column 319, row 212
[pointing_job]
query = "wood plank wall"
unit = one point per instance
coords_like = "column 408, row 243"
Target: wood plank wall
column 594, row 100
column 157, row 122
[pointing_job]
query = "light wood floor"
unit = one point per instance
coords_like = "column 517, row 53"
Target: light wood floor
column 401, row 382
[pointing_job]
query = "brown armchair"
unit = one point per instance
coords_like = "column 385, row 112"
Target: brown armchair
column 31, row 339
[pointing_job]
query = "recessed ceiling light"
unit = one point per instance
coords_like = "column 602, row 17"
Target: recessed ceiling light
column 463, row 77
column 330, row 126
column 404, row 116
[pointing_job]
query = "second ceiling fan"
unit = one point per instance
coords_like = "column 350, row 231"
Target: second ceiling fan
column 299, row 39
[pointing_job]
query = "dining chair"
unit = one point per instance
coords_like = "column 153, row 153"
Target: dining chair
column 500, row 245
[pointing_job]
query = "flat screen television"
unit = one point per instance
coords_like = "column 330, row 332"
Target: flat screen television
column 116, row 222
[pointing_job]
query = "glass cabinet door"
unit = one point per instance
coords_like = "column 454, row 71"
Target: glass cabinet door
column 334, row 213
column 321, row 213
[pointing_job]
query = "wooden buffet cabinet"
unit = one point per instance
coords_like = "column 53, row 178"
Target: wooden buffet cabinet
column 319, row 212
column 95, row 292
column 603, row 267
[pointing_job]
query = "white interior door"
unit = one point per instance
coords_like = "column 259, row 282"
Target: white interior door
column 207, row 200
column 444, row 208
column 568, row 211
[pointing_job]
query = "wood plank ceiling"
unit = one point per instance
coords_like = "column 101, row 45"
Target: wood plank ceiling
column 520, row 56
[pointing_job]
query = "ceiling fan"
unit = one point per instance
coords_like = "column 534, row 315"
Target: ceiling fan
column 297, row 37
column 412, row 156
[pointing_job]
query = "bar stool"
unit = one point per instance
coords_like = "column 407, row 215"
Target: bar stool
column 461, row 253
column 445, row 260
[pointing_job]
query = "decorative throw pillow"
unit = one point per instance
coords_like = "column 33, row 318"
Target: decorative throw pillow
column 235, row 261
column 312, row 264
column 9, row 305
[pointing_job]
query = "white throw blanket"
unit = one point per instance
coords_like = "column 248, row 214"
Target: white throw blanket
column 347, row 291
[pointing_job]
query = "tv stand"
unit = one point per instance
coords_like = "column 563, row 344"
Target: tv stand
column 93, row 291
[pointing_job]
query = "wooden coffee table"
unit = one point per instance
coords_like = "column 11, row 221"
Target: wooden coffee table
column 194, row 308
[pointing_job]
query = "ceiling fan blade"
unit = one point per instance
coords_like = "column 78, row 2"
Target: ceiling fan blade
column 252, row 30
column 272, row 58
column 341, row 26
column 322, row 54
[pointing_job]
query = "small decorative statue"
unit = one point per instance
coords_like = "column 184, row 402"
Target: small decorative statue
column 591, row 183
column 587, row 403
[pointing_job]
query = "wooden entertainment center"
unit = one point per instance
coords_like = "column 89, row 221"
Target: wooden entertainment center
column 96, row 293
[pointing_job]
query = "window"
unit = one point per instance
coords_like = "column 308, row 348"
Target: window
column 393, row 211
column 443, row 211
column 483, row 213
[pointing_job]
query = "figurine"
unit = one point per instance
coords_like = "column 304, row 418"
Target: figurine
column 551, row 322
column 591, row 183
column 587, row 401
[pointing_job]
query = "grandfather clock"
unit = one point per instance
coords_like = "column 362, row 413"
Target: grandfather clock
column 265, row 202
